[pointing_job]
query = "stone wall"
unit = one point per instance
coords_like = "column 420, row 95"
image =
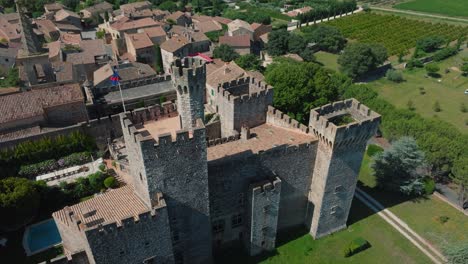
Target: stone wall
column 65, row 115
column 263, row 206
column 178, row 169
column 238, row 106
column 189, row 80
column 339, row 156
column 147, row 239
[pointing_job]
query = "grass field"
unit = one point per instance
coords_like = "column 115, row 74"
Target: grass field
column 398, row 34
column 421, row 214
column 448, row 91
column 329, row 60
column 387, row 245
column 444, row 7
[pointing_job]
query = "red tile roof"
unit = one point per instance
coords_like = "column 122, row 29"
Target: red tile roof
column 235, row 41
column 140, row 40
column 32, row 103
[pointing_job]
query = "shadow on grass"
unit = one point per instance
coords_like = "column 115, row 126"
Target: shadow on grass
column 387, row 198
column 237, row 254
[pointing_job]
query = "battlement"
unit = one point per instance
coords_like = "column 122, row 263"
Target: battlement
column 266, row 186
column 278, row 118
column 343, row 122
column 143, row 137
column 253, row 94
column 188, row 67
column 223, row 140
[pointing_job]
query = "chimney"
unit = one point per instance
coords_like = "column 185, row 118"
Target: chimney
column 245, row 132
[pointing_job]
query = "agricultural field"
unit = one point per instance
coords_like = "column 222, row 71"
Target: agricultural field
column 456, row 8
column 396, row 33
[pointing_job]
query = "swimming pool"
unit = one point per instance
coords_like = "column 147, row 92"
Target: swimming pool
column 41, row 236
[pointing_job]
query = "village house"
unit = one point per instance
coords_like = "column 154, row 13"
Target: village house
column 126, row 25
column 241, row 44
column 48, row 28
column 98, row 9
column 179, row 18
column 140, row 47
column 156, row 34
column 239, row 27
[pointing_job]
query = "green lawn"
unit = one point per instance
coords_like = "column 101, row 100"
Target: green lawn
column 449, row 91
column 329, row 60
column 443, row 7
column 387, row 245
column 421, row 214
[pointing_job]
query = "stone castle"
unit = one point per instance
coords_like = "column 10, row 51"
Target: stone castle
column 196, row 188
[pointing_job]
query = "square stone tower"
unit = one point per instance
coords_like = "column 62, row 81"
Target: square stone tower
column 189, row 80
column 343, row 129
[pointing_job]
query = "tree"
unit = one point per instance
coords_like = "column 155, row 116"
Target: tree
column 394, row 76
column 299, row 86
column 464, row 69
column 100, row 34
column 110, row 182
column 158, row 62
column 429, row 44
column 432, row 69
column 459, row 176
column 360, row 58
column 225, row 53
column 296, row 43
column 457, row 253
column 400, row 168
column 96, row 181
column 307, row 55
column 278, row 41
column 328, row 38
column 71, row 4
column 249, row 62
column 169, row 6
column 12, row 79
column 19, row 202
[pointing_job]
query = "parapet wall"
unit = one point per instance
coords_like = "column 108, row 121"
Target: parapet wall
column 248, row 88
column 278, row 118
column 106, row 87
column 188, row 68
column 364, row 126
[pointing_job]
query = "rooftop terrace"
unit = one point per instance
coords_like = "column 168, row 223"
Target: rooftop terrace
column 161, row 126
column 264, row 137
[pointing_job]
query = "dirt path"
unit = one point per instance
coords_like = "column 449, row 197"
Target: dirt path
column 418, row 14
column 429, row 250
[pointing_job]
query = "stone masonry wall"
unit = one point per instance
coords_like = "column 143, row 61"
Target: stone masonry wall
column 149, row 238
column 179, row 170
column 189, row 80
column 263, row 207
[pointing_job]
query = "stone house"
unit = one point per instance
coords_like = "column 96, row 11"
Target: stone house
column 239, row 27
column 140, row 47
column 179, row 18
column 9, row 32
column 241, row 44
column 126, row 25
column 128, row 9
column 98, row 9
column 65, row 17
column 53, row 7
column 48, row 28
column 156, row 34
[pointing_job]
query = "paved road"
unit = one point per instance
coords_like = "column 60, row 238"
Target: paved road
column 418, row 14
column 401, row 227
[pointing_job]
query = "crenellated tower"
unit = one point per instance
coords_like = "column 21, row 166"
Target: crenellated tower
column 343, row 129
column 189, row 80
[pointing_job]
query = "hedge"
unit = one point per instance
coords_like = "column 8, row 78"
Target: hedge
column 52, row 164
column 373, row 149
column 357, row 245
column 110, row 182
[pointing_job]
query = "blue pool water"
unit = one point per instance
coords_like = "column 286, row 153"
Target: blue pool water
column 42, row 236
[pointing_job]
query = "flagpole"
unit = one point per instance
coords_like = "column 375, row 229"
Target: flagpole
column 121, row 97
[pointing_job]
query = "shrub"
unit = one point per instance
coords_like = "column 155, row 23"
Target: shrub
column 429, row 186
column 114, row 164
column 357, row 245
column 373, row 149
column 463, row 108
column 96, row 181
column 410, row 105
column 394, row 76
column 102, row 167
column 414, row 63
column 432, row 69
column 436, row 107
column 443, row 219
column 445, row 53
column 110, row 182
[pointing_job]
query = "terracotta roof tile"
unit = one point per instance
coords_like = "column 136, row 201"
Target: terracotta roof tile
column 29, row 104
column 140, row 40
column 155, row 32
column 226, row 73
column 112, row 206
column 235, row 41
column 127, row 24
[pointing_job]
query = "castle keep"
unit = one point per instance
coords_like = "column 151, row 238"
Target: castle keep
column 191, row 194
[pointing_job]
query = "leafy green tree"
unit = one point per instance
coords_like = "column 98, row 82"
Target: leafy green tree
column 19, row 202
column 278, row 41
column 307, row 55
column 158, row 62
column 429, row 44
column 12, row 79
column 464, row 69
column 71, row 4
column 360, row 58
column 400, row 168
column 82, row 188
column 96, row 181
column 296, row 43
column 169, row 6
column 394, row 76
column 100, row 34
column 328, row 38
column 225, row 53
column 249, row 62
column 299, row 86
column 460, row 177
